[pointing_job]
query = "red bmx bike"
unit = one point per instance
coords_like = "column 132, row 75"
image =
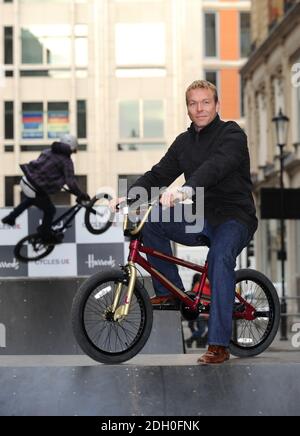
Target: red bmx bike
column 112, row 313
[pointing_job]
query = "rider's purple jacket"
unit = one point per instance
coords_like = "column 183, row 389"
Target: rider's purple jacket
column 52, row 170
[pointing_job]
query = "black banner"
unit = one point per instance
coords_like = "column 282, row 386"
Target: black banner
column 270, row 207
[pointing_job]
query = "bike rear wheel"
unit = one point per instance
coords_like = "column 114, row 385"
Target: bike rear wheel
column 252, row 337
column 98, row 334
column 98, row 217
column 32, row 248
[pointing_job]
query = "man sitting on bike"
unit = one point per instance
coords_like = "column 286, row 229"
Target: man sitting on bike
column 44, row 176
column 212, row 154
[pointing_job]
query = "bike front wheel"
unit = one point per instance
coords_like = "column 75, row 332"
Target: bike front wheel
column 97, row 332
column 32, row 248
column 98, row 217
column 252, row 337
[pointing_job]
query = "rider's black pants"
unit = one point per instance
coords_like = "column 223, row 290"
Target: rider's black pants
column 43, row 202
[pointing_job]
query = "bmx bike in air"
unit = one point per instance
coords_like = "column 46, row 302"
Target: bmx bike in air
column 97, row 218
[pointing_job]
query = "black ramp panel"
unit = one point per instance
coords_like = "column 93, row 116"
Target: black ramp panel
column 35, row 318
column 125, row 390
column 166, row 335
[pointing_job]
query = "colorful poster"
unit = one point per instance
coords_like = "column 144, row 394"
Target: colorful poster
column 32, row 125
column 58, row 124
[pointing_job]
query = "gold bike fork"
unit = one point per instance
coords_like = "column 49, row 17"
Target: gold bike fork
column 122, row 311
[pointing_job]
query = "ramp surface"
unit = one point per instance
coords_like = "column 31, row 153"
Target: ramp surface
column 169, row 385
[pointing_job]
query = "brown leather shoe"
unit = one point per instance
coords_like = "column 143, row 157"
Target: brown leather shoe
column 214, row 354
column 165, row 299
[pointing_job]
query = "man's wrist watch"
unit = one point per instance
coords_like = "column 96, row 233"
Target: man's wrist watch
column 187, row 191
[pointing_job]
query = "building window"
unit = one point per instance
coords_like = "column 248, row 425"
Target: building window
column 140, row 49
column 10, row 182
column 262, row 131
column 245, row 34
column 210, row 27
column 153, row 119
column 212, row 77
column 52, row 45
column 9, row 120
column 129, row 124
column 278, row 90
column 9, row 148
column 81, row 119
column 58, row 119
column 32, row 120
column 141, row 119
column 32, row 49
column 8, row 45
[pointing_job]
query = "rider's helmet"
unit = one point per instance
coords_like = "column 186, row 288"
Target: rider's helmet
column 71, row 141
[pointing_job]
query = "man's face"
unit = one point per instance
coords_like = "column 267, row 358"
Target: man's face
column 201, row 106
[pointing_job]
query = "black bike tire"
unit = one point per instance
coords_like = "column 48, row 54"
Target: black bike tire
column 79, row 331
column 22, row 242
column 88, row 214
column 270, row 292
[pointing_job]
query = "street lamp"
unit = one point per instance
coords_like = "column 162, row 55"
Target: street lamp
column 281, row 123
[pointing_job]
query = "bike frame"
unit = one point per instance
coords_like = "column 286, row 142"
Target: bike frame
column 136, row 247
column 72, row 212
column 134, row 257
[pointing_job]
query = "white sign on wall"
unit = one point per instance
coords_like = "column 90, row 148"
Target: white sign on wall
column 82, row 253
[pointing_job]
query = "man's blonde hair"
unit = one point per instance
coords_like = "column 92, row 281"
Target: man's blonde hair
column 202, row 84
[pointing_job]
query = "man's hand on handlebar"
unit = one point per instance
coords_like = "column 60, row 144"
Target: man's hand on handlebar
column 114, row 203
column 83, row 199
column 172, row 196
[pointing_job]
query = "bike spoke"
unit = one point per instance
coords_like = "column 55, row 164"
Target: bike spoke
column 108, row 334
column 250, row 333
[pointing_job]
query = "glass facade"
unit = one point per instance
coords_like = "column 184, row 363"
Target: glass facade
column 140, row 49
column 32, row 120
column 81, row 119
column 36, row 127
column 58, row 122
column 8, row 45
column 210, row 27
column 9, row 120
column 245, row 34
column 212, row 77
column 52, row 45
column 153, row 119
column 141, row 119
column 129, row 119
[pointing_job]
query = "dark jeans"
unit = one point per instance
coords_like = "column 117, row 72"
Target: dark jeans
column 43, row 202
column 226, row 242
